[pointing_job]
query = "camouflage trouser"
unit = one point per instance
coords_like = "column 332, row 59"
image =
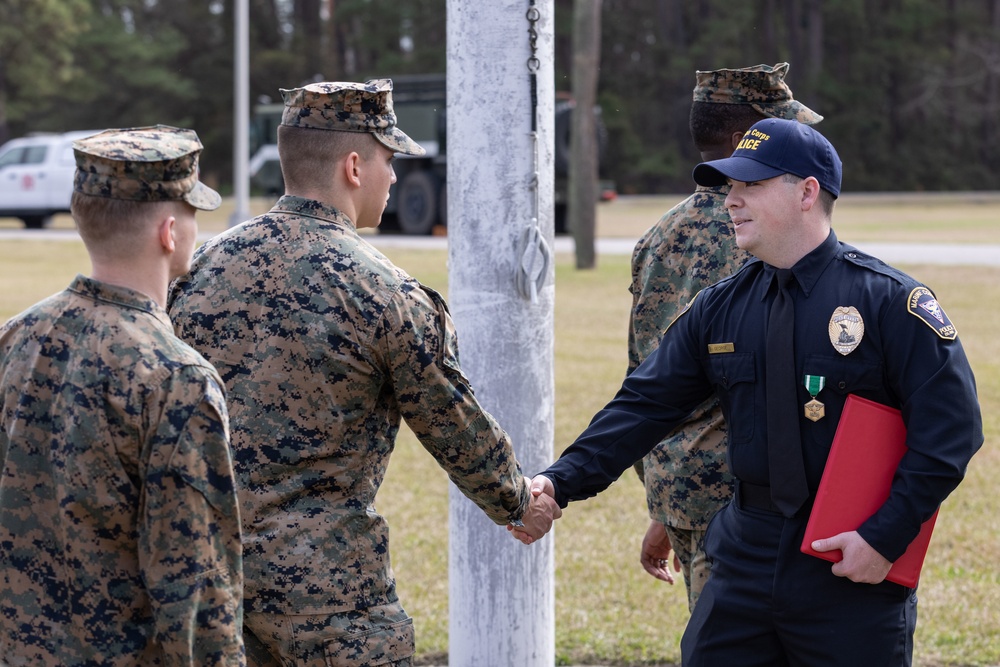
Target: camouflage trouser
column 689, row 545
column 377, row 635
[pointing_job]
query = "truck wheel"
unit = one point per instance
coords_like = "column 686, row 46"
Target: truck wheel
column 417, row 209
column 35, row 221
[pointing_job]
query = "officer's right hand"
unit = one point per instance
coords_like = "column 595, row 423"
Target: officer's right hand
column 543, row 510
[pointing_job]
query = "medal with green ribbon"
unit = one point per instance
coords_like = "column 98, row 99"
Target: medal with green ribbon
column 815, row 410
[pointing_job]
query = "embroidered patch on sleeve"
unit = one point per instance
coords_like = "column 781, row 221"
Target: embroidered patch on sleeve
column 923, row 304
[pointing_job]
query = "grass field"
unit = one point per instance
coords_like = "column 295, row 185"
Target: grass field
column 608, row 610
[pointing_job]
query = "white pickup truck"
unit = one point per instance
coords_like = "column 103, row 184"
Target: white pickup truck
column 36, row 176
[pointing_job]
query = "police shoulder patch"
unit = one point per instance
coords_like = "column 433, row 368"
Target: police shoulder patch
column 924, row 305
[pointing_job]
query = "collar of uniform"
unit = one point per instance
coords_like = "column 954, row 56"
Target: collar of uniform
column 807, row 270
column 119, row 296
column 310, row 208
column 714, row 189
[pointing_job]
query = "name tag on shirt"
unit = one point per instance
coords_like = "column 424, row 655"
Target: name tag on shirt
column 721, row 348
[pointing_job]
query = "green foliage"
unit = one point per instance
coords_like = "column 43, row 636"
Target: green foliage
column 910, row 88
column 36, row 53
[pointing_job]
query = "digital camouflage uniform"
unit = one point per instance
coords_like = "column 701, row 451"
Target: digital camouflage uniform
column 690, row 247
column 119, row 524
column 686, row 477
column 324, row 345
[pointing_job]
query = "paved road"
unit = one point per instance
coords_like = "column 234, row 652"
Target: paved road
column 949, row 254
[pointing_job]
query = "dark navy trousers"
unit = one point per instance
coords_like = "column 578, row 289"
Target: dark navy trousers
column 768, row 604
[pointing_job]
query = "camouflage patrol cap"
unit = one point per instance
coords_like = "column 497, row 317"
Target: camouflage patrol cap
column 348, row 107
column 157, row 163
column 762, row 87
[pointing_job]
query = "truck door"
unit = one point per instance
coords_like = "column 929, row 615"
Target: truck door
column 23, row 178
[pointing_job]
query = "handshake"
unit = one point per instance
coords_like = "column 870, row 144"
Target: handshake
column 542, row 511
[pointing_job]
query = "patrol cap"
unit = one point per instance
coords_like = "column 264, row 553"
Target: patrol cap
column 348, row 107
column 156, row 163
column 772, row 147
column 762, row 87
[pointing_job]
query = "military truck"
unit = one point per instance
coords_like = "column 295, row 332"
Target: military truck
column 418, row 200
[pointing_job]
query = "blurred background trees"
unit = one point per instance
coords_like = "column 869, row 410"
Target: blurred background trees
column 910, row 88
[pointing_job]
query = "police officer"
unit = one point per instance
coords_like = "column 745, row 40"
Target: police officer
column 119, row 522
column 766, row 603
column 692, row 246
column 324, row 345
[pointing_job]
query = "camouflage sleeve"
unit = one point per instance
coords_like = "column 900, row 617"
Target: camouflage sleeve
column 189, row 532
column 635, row 355
column 635, row 288
column 420, row 346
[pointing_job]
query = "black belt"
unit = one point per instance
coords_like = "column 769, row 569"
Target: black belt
column 758, row 496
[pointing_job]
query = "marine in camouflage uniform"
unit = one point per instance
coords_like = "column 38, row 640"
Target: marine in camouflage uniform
column 119, row 522
column 692, row 246
column 324, row 345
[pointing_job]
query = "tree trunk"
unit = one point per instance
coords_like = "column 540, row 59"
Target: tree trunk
column 991, row 134
column 815, row 46
column 582, row 198
column 332, row 62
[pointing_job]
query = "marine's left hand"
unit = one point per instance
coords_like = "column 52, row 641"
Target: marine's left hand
column 656, row 552
column 542, row 511
column 861, row 563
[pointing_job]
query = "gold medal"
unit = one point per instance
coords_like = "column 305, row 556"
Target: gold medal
column 815, row 410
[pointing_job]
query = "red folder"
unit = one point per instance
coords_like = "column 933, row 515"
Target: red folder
column 866, row 450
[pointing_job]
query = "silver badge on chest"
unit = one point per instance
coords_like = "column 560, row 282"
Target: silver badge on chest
column 846, row 329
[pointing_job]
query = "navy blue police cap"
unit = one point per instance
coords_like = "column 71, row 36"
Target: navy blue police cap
column 772, row 147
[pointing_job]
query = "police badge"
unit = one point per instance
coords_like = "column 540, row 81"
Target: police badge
column 846, row 329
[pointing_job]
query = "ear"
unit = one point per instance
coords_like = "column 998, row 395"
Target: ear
column 167, row 234
column 735, row 139
column 351, row 166
column 810, row 192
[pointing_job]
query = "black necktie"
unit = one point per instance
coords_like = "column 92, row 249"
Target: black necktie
column 784, row 444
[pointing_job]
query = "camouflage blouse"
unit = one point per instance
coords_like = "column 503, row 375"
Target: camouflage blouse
column 692, row 246
column 324, row 345
column 119, row 523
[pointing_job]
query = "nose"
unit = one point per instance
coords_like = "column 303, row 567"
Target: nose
column 393, row 172
column 733, row 198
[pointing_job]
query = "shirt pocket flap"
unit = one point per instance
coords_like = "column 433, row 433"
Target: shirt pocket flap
column 845, row 376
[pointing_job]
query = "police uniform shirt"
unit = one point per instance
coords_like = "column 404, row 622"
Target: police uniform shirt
column 324, row 345
column 119, row 523
column 908, row 357
column 692, row 246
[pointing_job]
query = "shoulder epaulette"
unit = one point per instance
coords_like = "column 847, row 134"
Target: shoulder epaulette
column 921, row 302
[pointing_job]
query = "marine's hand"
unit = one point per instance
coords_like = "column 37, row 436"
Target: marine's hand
column 861, row 563
column 655, row 554
column 542, row 511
